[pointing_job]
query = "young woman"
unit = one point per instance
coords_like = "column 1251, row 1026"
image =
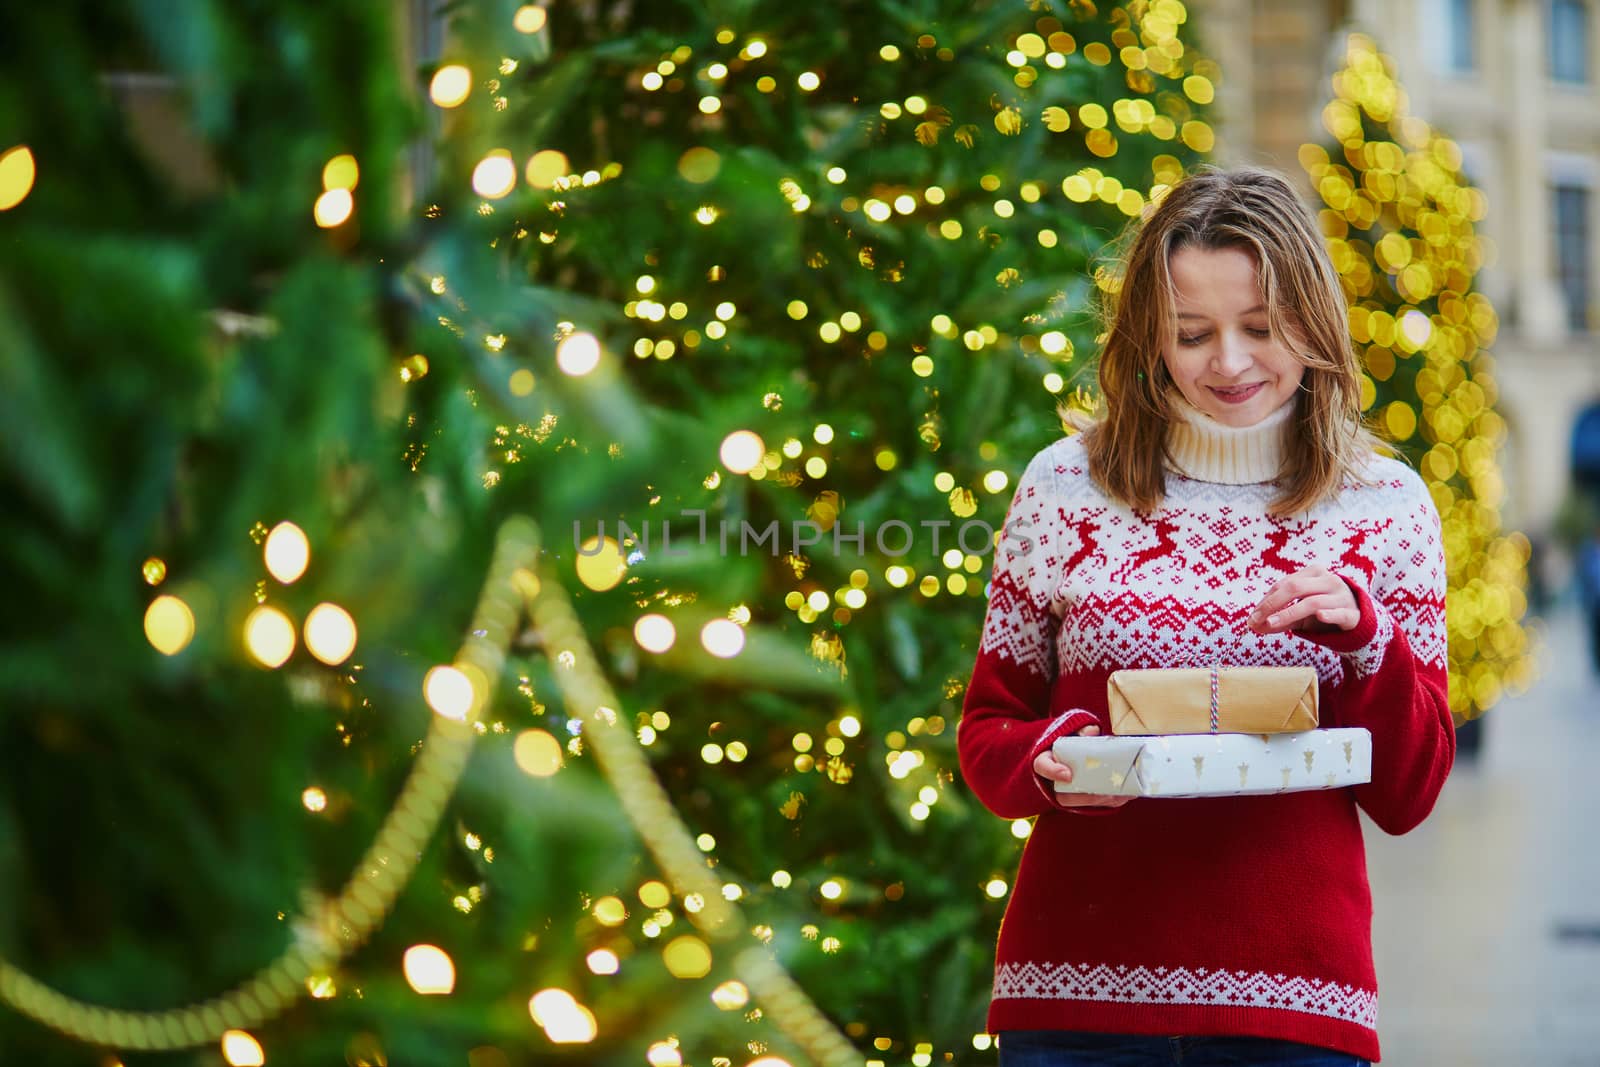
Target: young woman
column 1227, row 508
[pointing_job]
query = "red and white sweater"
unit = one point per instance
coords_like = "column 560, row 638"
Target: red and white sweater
column 1249, row 915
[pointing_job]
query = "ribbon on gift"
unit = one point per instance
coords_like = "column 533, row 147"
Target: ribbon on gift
column 1215, row 698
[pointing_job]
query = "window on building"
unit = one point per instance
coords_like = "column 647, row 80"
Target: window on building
column 1459, row 32
column 1569, row 40
column 1573, row 233
column 1448, row 35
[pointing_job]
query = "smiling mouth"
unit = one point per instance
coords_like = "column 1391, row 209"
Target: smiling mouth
column 1237, row 394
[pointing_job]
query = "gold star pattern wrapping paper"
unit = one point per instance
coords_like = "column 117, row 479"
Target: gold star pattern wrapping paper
column 1215, row 765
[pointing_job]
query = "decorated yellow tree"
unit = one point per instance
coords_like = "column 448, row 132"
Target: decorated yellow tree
column 1399, row 216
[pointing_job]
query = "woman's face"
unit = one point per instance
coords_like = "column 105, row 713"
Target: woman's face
column 1223, row 357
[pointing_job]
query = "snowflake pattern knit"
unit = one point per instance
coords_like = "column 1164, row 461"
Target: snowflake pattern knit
column 1247, row 916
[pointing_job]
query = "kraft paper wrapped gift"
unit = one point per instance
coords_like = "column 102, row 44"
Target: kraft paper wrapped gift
column 1215, row 765
column 1199, row 700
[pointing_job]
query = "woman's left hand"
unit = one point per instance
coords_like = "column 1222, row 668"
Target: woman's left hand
column 1309, row 599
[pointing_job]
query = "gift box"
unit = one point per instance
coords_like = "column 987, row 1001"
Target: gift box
column 1215, row 765
column 1228, row 700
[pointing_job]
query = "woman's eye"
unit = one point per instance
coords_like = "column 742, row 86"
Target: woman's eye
column 1259, row 332
column 1197, row 339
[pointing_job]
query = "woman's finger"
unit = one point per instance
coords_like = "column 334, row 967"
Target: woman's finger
column 1090, row 800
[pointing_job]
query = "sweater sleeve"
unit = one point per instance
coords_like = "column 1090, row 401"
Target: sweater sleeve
column 1395, row 673
column 1005, row 716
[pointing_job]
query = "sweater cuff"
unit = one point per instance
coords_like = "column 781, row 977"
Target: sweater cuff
column 1068, row 722
column 1362, row 647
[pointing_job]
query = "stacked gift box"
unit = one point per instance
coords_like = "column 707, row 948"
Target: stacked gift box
column 1214, row 731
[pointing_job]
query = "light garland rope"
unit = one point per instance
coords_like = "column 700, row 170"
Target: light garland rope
column 655, row 819
column 340, row 926
column 344, row 923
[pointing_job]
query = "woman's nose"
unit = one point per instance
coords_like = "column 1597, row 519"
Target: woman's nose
column 1232, row 354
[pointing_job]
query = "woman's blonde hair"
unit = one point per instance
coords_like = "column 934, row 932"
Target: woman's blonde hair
column 1255, row 210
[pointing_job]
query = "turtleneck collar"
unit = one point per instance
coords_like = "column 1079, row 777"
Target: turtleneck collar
column 1206, row 450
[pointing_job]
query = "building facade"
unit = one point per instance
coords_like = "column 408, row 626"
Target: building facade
column 1516, row 83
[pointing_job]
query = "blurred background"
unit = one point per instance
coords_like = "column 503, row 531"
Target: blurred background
column 300, row 301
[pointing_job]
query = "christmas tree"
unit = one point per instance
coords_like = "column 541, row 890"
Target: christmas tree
column 1399, row 217
column 274, row 429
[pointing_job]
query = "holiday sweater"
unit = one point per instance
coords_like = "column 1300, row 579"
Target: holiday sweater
column 1246, row 915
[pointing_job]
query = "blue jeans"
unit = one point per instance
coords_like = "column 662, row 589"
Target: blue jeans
column 1065, row 1048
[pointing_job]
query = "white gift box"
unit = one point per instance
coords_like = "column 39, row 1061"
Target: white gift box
column 1216, row 765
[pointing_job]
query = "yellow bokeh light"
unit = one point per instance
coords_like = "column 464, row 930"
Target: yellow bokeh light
column 600, row 565
column 521, row 382
column 578, row 354
column 495, row 175
column 722, row 638
column 530, row 18
column 451, row 85
column 269, row 636
column 17, row 172
column 330, row 634
column 565, row 1021
column 699, row 165
column 809, row 81
column 610, row 911
column 333, row 208
column 239, row 1049
column 654, row 633
column 154, row 571
column 537, row 753
column 730, row 996
column 429, row 970
column 664, row 1054
column 168, row 625
column 287, row 552
column 1400, row 419
column 341, row 172
column 546, row 167
column 314, row 799
column 741, row 451
column 449, row 692
column 996, row 888
column 687, row 957
column 603, row 961
column 654, row 894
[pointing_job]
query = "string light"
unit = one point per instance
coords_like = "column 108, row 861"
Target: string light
column 269, row 636
column 239, row 1049
column 578, row 354
column 565, row 1021
column 530, row 18
column 330, row 634
column 448, row 692
column 537, row 753
column 687, row 957
column 429, row 970
column 168, row 625
column 495, row 175
column 17, row 172
column 287, row 552
column 451, row 85
column 654, row 633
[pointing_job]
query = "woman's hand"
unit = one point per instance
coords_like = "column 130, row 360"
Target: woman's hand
column 1309, row 599
column 1047, row 766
